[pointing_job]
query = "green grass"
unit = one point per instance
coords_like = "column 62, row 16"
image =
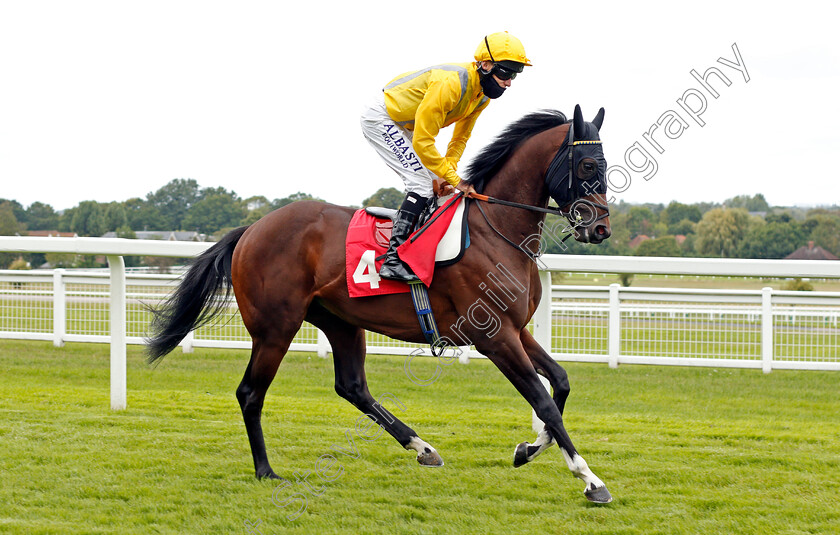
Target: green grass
column 682, row 450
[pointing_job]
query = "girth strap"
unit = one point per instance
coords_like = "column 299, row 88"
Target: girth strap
column 423, row 307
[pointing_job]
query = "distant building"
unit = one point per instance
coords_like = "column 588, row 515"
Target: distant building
column 680, row 238
column 165, row 235
column 635, row 242
column 48, row 234
column 51, row 234
column 811, row 252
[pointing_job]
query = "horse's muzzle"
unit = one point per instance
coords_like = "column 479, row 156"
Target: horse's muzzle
column 594, row 234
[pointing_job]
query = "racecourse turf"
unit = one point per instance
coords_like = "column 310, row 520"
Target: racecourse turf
column 683, row 450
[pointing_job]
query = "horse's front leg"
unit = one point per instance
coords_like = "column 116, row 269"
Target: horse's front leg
column 544, row 365
column 513, row 361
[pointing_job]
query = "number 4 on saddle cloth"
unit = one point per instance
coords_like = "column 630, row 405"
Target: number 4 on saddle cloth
column 440, row 241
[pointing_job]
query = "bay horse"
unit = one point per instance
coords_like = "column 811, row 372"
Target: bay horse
column 289, row 267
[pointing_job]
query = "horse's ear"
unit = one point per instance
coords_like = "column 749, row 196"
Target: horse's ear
column 578, row 121
column 599, row 119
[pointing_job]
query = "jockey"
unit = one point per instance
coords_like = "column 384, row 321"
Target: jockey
column 404, row 120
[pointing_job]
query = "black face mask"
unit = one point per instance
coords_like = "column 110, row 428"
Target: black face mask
column 564, row 184
column 489, row 86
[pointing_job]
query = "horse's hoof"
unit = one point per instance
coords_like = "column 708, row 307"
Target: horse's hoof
column 520, row 455
column 429, row 458
column 268, row 475
column 598, row 495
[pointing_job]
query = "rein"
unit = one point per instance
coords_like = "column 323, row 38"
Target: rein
column 556, row 211
column 529, row 254
column 494, row 200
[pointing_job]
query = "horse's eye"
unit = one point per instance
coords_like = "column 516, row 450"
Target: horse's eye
column 587, row 170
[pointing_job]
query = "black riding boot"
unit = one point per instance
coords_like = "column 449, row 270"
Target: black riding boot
column 393, row 268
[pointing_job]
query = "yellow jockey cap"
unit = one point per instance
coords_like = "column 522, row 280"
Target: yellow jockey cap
column 503, row 47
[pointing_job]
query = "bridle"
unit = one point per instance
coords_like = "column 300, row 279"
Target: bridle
column 554, row 169
column 564, row 155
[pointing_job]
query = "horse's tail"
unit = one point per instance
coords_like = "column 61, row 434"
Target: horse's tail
column 192, row 304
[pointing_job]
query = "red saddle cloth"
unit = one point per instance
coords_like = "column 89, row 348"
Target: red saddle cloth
column 367, row 238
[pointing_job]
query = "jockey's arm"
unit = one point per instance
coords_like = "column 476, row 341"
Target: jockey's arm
column 431, row 114
column 461, row 134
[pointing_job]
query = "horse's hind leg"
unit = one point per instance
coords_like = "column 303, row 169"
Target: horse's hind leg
column 265, row 358
column 559, row 379
column 348, row 346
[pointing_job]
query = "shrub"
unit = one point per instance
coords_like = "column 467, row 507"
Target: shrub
column 19, row 263
column 798, row 285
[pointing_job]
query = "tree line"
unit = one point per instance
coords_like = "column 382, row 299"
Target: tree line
column 181, row 204
column 740, row 227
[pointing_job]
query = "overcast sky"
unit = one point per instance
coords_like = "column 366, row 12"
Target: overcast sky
column 108, row 100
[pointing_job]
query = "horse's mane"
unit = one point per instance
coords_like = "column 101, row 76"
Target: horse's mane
column 491, row 158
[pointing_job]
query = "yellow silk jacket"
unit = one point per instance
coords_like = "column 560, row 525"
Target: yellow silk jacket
column 427, row 100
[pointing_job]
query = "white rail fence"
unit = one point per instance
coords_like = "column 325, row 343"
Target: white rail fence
column 763, row 329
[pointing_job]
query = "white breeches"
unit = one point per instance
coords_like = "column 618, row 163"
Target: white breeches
column 394, row 144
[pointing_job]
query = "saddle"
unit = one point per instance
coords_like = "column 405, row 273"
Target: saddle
column 439, row 241
column 382, row 213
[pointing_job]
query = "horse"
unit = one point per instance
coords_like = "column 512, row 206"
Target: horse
column 289, row 267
